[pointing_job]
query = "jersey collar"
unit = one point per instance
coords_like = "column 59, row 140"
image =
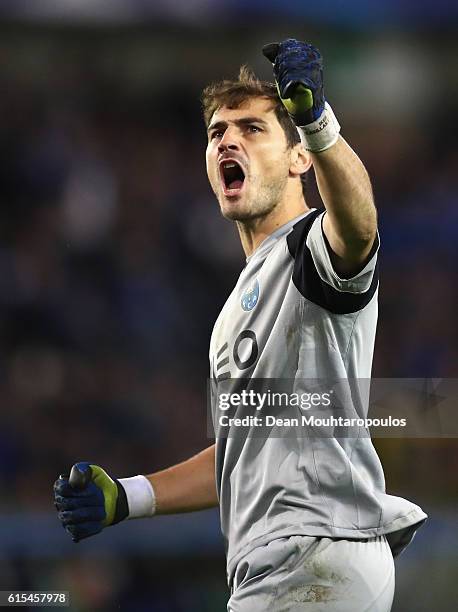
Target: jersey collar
column 268, row 242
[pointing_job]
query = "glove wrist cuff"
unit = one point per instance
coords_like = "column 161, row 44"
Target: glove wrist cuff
column 121, row 508
column 322, row 133
column 141, row 499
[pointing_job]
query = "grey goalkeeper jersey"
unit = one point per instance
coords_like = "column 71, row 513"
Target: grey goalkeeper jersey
column 290, row 316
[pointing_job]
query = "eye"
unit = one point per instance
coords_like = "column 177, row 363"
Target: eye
column 253, row 129
column 216, row 134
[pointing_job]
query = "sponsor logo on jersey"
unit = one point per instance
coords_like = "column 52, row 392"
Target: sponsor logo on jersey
column 251, row 296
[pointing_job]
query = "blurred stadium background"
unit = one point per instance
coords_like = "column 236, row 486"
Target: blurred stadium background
column 114, row 263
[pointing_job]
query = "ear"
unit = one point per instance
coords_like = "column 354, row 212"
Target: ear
column 301, row 160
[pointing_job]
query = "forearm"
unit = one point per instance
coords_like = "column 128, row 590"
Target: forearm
column 90, row 500
column 187, row 486
column 345, row 189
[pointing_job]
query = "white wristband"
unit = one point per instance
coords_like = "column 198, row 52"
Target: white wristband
column 141, row 498
column 322, row 133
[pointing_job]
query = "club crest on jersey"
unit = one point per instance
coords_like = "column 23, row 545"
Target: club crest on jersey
column 251, row 296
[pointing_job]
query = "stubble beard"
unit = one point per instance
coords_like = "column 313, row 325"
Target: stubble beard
column 258, row 205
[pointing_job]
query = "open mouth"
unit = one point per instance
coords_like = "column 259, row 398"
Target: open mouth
column 232, row 176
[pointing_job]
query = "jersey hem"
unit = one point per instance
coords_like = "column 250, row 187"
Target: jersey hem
column 416, row 516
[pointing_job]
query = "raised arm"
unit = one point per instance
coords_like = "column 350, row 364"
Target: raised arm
column 350, row 224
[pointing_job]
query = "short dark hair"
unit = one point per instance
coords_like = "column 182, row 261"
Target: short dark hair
column 233, row 93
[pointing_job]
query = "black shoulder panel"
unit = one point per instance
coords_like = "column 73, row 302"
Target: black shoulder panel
column 308, row 281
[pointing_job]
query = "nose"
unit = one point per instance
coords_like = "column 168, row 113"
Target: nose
column 228, row 142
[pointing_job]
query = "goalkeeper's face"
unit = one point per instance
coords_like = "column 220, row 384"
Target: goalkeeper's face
column 248, row 159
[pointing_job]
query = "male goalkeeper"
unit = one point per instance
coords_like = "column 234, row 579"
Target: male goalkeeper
column 306, row 521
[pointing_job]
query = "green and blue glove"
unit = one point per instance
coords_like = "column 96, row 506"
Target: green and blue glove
column 298, row 73
column 89, row 500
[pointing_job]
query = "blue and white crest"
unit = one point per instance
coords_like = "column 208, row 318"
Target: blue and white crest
column 251, row 296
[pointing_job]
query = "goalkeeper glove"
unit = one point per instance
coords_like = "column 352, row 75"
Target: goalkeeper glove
column 90, row 500
column 298, row 72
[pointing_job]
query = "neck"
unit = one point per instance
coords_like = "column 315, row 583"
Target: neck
column 254, row 231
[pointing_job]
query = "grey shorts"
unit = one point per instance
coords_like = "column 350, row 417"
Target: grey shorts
column 303, row 573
